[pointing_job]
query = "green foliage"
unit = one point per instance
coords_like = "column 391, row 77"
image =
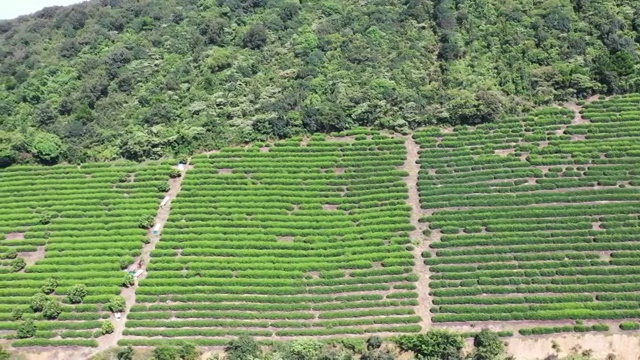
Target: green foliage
column 38, row 301
column 188, row 352
column 304, row 349
column 26, row 329
column 165, row 353
column 49, row 285
column 374, row 342
column 629, row 325
column 125, row 261
column 17, row 264
column 77, row 293
column 146, row 221
column 89, row 85
column 46, row 147
column 174, row 173
column 128, row 280
column 107, row 327
column 51, row 309
column 125, row 353
column 488, row 346
column 435, row 344
column 45, row 218
column 4, row 354
column 243, row 348
column 16, row 314
column 116, row 304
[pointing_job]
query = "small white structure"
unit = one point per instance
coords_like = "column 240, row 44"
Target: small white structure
column 118, row 316
column 165, row 201
column 138, row 273
column 156, row 229
column 181, row 166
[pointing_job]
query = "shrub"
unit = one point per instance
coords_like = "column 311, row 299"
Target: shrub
column 38, row 301
column 16, row 314
column 488, row 345
column 27, row 329
column 116, row 304
column 165, row 353
column 374, row 342
column 243, row 348
column 188, row 352
column 125, row 353
column 45, row 218
column 146, row 222
column 174, row 173
column 76, row 294
column 435, row 344
column 49, row 285
column 125, row 261
column 629, row 325
column 51, row 309
column 128, row 280
column 107, row 327
column 4, row 354
column 17, row 264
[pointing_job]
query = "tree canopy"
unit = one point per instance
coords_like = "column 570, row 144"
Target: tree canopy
column 145, row 79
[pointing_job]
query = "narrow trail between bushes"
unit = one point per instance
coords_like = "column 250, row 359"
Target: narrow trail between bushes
column 412, row 167
column 129, row 293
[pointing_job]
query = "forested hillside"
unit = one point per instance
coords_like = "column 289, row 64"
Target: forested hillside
column 145, row 78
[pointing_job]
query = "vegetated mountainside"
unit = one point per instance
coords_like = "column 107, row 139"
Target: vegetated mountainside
column 144, row 78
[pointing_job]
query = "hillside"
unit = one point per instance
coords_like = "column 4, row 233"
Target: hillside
column 527, row 225
column 142, row 79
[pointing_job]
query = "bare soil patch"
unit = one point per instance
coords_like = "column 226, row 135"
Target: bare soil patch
column 265, row 149
column 15, row 236
column 53, row 353
column 447, row 130
column 341, row 138
column 596, row 225
column 339, row 170
column 524, row 156
column 532, row 181
column 624, row 346
column 543, row 144
column 504, row 152
column 578, row 137
column 225, row 171
column 285, row 238
column 329, row 207
column 32, row 257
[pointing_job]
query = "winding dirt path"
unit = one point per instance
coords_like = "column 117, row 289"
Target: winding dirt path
column 108, row 341
column 412, row 167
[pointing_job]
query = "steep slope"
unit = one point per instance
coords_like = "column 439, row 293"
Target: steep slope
column 140, row 79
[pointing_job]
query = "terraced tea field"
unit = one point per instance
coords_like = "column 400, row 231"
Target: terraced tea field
column 288, row 240
column 77, row 225
column 502, row 224
column 535, row 219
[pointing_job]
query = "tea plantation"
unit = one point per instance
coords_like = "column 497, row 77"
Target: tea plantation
column 288, row 240
column 66, row 232
column 535, row 218
column 524, row 219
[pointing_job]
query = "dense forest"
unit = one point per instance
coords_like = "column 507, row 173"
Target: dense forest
column 142, row 79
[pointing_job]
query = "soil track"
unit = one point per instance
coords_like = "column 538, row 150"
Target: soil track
column 422, row 288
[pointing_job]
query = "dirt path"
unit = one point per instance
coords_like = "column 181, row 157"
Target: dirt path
column 419, row 268
column 577, row 109
column 129, row 294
